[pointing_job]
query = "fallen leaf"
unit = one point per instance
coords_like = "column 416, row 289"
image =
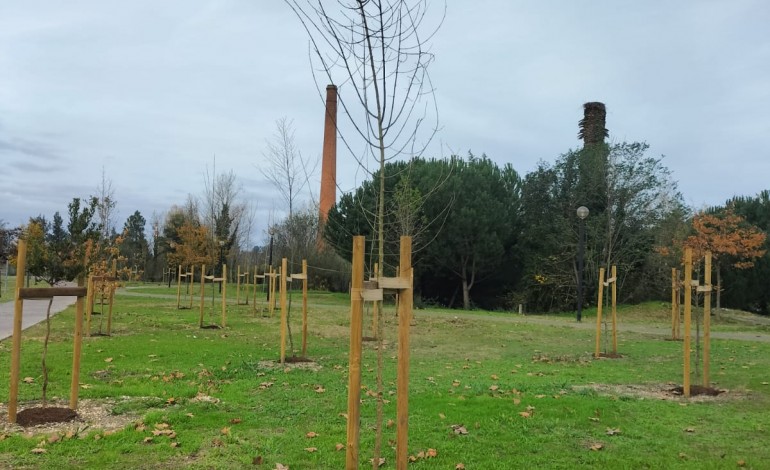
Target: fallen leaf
column 442, row 415
column 525, row 414
column 319, row 389
column 494, row 387
column 613, row 431
column 494, row 376
column 594, row 419
column 741, row 463
column 109, row 359
column 190, row 415
column 38, row 450
column 161, row 426
column 171, row 401
column 460, row 466
column 28, row 380
column 381, row 463
column 339, row 447
column 311, row 435
column 390, row 423
column 235, row 421
column 280, row 466
column 459, row 429
column 689, row 429
column 517, row 401
column 216, row 442
column 596, row 446
column 431, row 453
column 54, row 438
column 225, row 431
column 147, row 440
column 174, row 444
column 257, row 460
column 311, row 449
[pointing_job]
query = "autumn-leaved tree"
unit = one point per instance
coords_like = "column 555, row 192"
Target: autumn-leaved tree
column 193, row 248
column 732, row 241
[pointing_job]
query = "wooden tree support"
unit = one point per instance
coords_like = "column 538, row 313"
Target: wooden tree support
column 255, row 283
column 188, row 277
column 675, row 292
column 284, row 309
column 241, row 276
column 612, row 281
column 373, row 291
column 21, row 294
column 212, row 279
column 303, row 277
column 102, row 282
column 706, row 289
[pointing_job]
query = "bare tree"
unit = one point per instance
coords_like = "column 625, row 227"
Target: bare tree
column 286, row 168
column 376, row 52
column 106, row 203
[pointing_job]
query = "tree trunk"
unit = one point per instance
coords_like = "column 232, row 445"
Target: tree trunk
column 466, row 295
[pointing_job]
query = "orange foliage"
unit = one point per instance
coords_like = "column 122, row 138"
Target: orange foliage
column 726, row 234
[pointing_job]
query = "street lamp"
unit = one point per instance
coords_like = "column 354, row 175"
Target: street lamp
column 582, row 213
column 221, row 261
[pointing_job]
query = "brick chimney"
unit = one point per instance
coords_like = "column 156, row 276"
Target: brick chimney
column 328, row 195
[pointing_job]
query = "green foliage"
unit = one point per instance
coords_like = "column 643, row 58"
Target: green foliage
column 631, row 199
column 135, row 248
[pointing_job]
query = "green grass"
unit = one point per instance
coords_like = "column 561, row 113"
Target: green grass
column 477, row 369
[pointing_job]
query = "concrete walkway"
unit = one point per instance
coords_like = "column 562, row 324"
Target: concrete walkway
column 34, row 312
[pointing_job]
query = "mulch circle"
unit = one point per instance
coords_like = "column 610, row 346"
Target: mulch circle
column 368, row 338
column 610, row 355
column 697, row 390
column 297, row 359
column 210, row 327
column 39, row 415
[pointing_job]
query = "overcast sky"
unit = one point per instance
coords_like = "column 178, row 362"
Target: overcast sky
column 152, row 91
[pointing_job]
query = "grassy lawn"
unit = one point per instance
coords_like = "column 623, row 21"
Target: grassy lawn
column 527, row 392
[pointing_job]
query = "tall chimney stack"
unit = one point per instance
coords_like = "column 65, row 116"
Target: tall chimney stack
column 328, row 195
column 592, row 129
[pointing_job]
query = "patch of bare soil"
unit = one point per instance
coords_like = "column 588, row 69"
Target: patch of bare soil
column 91, row 415
column 39, row 415
column 288, row 365
column 658, row 391
column 210, row 327
column 610, row 356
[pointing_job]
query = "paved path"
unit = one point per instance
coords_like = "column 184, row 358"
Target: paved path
column 34, row 312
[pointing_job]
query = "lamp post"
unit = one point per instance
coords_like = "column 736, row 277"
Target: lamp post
column 221, row 261
column 582, row 213
column 271, row 231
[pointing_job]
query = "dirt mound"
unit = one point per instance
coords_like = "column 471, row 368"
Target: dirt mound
column 40, row 415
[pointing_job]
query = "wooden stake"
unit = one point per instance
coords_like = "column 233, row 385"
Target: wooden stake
column 707, row 321
column 109, row 313
column 76, row 349
column 272, row 291
column 304, row 307
column 192, row 285
column 18, row 309
column 674, row 305
column 90, row 303
column 354, row 362
column 687, row 318
column 203, row 292
column 284, row 309
column 405, row 300
column 238, row 287
column 597, row 352
column 614, row 310
column 376, row 306
column 224, row 295
column 179, row 286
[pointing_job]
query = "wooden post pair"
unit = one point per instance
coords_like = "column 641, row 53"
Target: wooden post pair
column 602, row 283
column 689, row 284
column 22, row 293
column 402, row 285
column 188, row 276
column 212, row 278
column 284, row 306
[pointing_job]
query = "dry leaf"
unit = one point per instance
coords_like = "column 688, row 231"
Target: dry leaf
column 525, row 414
column 319, row 389
column 339, row 447
column 147, row 440
column 459, row 429
column 225, row 431
column 594, row 419
column 596, row 446
column 442, row 415
column 431, row 453
column 494, row 376
column 174, row 444
column 381, row 463
column 171, row 401
column 257, row 460
column 54, row 438
column 311, row 449
column 216, row 442
column 235, row 421
column 517, row 401
column 28, row 380
column 494, row 387
column 109, row 359
column 460, row 466
column 38, row 450
column 161, row 426
column 689, row 429
column 741, row 463
column 311, row 435
column 613, row 431
column 390, row 423
column 280, row 466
